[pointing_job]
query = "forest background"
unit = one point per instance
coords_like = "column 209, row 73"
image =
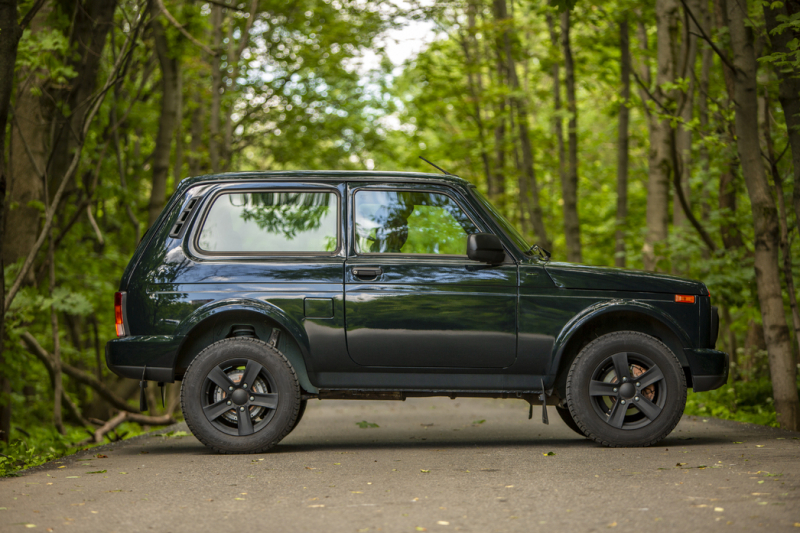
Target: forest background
column 661, row 136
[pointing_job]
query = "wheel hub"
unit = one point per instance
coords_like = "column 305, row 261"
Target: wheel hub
column 239, row 397
column 626, row 391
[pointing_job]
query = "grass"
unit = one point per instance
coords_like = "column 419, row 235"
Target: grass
column 34, row 446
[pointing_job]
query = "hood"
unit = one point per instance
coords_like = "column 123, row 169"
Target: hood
column 571, row 276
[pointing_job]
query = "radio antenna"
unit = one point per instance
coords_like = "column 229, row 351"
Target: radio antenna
column 446, row 173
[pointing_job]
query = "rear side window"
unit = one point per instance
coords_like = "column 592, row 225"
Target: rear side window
column 271, row 222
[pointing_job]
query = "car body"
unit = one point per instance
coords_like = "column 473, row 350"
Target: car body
column 382, row 301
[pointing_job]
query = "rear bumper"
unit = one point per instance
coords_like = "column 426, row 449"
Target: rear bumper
column 148, row 357
column 709, row 368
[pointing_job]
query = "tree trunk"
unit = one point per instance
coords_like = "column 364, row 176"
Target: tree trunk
column 558, row 119
column 569, row 186
column 655, row 242
column 89, row 30
column 520, row 106
column 788, row 275
column 196, row 130
column 30, row 137
column 622, row 142
column 177, row 167
column 789, row 87
column 10, row 33
column 214, row 140
column 765, row 221
column 472, row 63
column 168, row 119
column 683, row 135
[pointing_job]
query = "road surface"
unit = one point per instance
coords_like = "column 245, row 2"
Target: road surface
column 434, row 465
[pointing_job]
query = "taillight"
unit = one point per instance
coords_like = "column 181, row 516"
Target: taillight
column 684, row 298
column 118, row 321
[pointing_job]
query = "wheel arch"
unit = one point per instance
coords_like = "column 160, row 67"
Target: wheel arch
column 251, row 318
column 614, row 316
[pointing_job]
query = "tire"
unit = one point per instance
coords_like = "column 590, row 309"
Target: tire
column 300, row 412
column 566, row 416
column 272, row 399
column 653, row 389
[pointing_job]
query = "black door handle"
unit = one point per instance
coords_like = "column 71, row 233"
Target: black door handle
column 367, row 273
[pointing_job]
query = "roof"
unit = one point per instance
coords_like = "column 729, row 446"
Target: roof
column 359, row 175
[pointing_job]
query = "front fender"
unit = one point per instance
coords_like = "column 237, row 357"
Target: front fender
column 593, row 312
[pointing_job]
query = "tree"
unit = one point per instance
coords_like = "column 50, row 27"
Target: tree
column 765, row 220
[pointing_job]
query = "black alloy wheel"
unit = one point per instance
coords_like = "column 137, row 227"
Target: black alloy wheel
column 240, row 395
column 626, row 389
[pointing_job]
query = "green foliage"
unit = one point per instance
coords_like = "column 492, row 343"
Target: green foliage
column 39, row 444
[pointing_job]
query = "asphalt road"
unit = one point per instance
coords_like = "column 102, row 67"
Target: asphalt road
column 431, row 465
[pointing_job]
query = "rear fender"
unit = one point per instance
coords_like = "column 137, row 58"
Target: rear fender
column 293, row 342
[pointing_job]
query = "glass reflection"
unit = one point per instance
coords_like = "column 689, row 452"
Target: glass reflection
column 410, row 222
column 271, row 222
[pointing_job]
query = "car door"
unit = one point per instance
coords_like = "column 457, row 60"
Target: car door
column 412, row 297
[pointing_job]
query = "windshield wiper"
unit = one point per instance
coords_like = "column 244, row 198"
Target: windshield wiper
column 543, row 254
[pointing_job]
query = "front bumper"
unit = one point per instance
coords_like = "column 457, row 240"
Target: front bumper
column 709, row 368
column 147, row 357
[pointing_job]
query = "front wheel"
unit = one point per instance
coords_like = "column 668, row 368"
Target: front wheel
column 626, row 389
column 240, row 395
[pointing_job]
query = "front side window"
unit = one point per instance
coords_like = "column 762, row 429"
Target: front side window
column 271, row 222
column 410, row 222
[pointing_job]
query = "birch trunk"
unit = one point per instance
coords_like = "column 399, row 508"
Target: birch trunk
column 765, row 220
column 660, row 158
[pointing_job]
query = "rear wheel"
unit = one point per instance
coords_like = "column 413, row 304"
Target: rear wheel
column 626, row 389
column 240, row 395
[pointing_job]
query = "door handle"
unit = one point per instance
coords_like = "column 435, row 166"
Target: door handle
column 367, row 273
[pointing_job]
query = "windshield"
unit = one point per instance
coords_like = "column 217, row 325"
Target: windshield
column 506, row 226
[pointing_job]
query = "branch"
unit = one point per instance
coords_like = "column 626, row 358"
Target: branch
column 44, row 357
column 181, row 29
column 223, row 4
column 77, row 374
column 30, row 14
column 676, row 178
column 706, row 38
column 100, row 433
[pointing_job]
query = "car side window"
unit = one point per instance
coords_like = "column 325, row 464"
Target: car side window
column 410, row 222
column 270, row 222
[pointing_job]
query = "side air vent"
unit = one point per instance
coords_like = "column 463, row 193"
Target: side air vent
column 184, row 216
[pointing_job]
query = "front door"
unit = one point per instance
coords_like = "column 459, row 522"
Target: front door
column 412, row 297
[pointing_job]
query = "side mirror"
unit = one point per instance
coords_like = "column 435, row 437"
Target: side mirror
column 486, row 248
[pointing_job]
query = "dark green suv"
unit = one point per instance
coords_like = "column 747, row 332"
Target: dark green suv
column 263, row 290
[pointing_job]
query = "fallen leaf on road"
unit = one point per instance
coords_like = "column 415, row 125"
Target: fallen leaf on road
column 62, row 466
column 737, row 442
column 123, row 472
column 443, row 523
column 680, row 464
column 425, row 471
column 356, row 492
column 420, row 528
column 98, row 472
column 718, row 509
column 75, row 477
column 549, row 454
column 509, row 486
column 366, row 425
column 101, row 456
column 30, row 525
column 477, row 422
column 317, row 505
column 759, row 445
column 240, row 499
column 612, row 524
